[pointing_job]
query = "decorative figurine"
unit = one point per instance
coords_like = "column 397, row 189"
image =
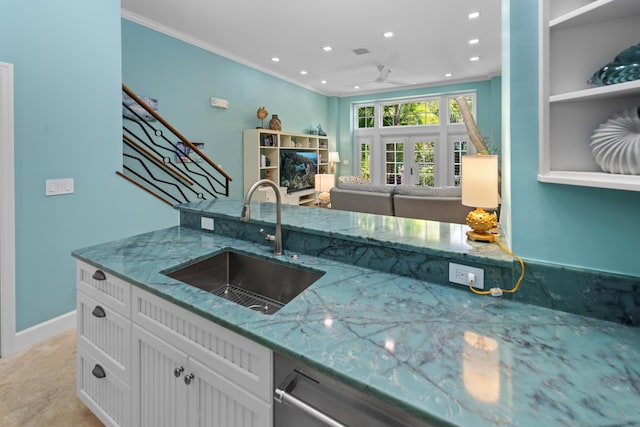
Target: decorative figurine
column 262, row 113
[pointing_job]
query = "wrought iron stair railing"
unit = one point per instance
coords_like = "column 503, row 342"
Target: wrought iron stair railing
column 160, row 160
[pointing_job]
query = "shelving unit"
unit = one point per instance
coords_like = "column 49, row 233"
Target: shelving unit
column 262, row 149
column 578, row 37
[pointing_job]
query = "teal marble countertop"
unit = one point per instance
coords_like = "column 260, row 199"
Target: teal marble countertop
column 437, row 238
column 442, row 353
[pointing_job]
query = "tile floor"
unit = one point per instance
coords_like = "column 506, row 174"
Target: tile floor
column 38, row 387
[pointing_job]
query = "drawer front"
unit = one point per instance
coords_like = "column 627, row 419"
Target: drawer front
column 104, row 393
column 110, row 333
column 105, row 288
column 233, row 356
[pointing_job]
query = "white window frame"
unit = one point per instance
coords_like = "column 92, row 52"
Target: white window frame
column 443, row 134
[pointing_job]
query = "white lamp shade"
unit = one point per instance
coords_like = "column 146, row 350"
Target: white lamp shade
column 334, row 157
column 324, row 182
column 480, row 181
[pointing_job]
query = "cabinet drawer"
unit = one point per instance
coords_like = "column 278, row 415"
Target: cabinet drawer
column 233, row 356
column 110, row 333
column 105, row 288
column 104, row 393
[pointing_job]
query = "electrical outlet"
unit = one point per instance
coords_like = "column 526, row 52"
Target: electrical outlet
column 206, row 223
column 459, row 273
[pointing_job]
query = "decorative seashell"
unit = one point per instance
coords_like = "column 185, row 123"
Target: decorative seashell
column 615, row 144
column 624, row 68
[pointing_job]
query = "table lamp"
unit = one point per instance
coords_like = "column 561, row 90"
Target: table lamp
column 480, row 190
column 334, row 157
column 324, row 182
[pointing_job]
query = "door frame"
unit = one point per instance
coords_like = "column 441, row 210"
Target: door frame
column 7, row 214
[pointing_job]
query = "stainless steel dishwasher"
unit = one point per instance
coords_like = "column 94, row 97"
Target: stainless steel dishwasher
column 304, row 398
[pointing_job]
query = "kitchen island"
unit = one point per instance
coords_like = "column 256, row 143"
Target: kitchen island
column 441, row 353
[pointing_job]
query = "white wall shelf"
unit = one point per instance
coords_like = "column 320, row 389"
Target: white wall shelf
column 577, row 38
column 268, row 143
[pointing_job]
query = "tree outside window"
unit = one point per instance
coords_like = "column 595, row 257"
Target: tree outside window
column 365, row 161
column 455, row 115
column 423, row 157
column 366, row 117
column 411, row 113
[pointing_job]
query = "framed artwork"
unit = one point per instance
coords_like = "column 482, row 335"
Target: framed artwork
column 137, row 109
column 184, row 153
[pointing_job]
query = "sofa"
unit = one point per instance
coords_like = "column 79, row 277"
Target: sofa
column 442, row 204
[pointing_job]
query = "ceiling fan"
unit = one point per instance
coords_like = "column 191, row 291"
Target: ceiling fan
column 383, row 77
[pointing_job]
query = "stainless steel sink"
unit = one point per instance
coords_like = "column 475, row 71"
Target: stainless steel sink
column 262, row 285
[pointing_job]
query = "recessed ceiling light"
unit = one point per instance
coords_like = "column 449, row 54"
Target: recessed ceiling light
column 474, row 41
column 303, row 72
column 473, row 15
column 324, row 82
column 448, row 75
column 275, row 59
column 356, row 87
column 327, row 48
column 388, row 34
column 474, row 58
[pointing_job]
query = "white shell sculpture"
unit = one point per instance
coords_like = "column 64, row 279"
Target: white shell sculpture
column 615, row 144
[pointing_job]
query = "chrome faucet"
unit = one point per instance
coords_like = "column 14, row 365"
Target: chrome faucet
column 246, row 214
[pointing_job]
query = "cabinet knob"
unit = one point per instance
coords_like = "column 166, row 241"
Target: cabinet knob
column 98, row 311
column 99, row 275
column 98, row 372
column 188, row 378
column 178, row 371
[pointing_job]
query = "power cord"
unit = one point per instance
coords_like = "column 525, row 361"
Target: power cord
column 496, row 292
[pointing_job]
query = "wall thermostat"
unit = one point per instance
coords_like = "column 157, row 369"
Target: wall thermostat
column 219, row 103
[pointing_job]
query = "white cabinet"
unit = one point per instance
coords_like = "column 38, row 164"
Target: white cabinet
column 264, row 150
column 143, row 361
column 104, row 345
column 578, row 37
column 192, row 372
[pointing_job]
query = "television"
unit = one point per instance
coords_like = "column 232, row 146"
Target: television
column 298, row 169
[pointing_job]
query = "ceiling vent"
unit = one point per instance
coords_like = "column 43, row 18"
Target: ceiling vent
column 361, row 51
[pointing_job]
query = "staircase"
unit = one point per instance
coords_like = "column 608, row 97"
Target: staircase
column 160, row 160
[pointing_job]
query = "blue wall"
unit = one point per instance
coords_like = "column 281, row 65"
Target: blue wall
column 488, row 112
column 578, row 226
column 67, row 76
column 183, row 78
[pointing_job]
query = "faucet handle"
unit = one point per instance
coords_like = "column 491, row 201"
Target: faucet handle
column 268, row 237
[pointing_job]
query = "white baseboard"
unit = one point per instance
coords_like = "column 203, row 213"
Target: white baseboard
column 43, row 331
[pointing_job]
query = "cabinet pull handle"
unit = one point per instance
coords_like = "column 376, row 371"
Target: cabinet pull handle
column 188, row 378
column 98, row 372
column 99, row 312
column 99, row 275
column 178, row 371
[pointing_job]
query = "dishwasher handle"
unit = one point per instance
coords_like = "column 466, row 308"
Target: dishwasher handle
column 282, row 394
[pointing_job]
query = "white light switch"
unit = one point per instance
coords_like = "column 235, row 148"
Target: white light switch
column 56, row 187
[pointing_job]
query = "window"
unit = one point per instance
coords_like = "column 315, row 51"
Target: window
column 419, row 113
column 365, row 116
column 417, row 141
column 455, row 115
column 424, row 160
column 459, row 150
column 394, row 164
column 365, row 160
